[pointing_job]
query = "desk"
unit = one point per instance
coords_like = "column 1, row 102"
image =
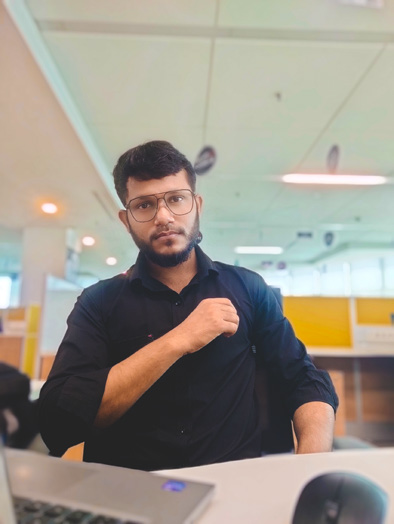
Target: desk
column 11, row 349
column 369, row 388
column 265, row 490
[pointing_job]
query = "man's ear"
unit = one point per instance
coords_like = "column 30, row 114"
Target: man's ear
column 199, row 203
column 122, row 214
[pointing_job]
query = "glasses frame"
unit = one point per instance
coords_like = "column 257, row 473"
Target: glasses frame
column 164, row 193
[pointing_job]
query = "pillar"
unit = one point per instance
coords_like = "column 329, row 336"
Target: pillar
column 46, row 251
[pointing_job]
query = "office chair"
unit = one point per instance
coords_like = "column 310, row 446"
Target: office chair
column 277, row 434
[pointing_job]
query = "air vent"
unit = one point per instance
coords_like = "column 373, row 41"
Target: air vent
column 374, row 4
column 304, row 234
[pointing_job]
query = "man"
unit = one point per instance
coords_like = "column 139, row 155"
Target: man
column 156, row 369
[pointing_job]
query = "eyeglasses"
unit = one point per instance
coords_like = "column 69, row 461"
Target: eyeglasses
column 144, row 208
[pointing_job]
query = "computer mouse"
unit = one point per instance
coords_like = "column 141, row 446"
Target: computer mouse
column 341, row 498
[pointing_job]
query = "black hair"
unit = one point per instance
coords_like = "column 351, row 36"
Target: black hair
column 155, row 159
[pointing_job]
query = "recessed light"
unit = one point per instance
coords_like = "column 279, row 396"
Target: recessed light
column 88, row 241
column 327, row 179
column 49, row 208
column 259, row 250
column 111, row 261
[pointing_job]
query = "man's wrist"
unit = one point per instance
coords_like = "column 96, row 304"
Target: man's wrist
column 177, row 343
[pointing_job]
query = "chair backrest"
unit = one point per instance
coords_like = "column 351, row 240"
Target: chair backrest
column 277, row 427
column 277, row 434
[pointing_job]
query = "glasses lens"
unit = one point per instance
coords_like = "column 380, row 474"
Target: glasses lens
column 179, row 202
column 143, row 209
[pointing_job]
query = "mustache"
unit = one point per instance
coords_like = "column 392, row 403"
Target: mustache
column 166, row 229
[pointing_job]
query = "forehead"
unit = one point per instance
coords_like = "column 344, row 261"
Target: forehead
column 136, row 188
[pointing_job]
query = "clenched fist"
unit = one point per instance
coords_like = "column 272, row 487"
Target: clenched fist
column 211, row 318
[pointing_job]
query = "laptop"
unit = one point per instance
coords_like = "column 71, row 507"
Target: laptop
column 54, row 490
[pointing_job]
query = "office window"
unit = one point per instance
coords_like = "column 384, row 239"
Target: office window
column 5, row 292
column 389, row 275
column 279, row 279
column 366, row 277
column 332, row 280
column 303, row 281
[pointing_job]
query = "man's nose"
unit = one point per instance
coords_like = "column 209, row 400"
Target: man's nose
column 163, row 215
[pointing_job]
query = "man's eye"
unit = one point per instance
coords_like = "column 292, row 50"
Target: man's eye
column 143, row 205
column 176, row 199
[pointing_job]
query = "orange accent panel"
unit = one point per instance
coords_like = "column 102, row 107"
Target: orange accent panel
column 374, row 310
column 320, row 321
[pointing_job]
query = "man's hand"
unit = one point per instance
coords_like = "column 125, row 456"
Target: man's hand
column 129, row 379
column 211, row 318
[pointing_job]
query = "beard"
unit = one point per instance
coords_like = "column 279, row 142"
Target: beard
column 172, row 259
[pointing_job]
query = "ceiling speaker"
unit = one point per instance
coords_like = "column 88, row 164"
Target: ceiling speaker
column 205, row 160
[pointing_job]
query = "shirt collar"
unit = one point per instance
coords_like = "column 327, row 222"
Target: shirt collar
column 139, row 271
column 204, row 264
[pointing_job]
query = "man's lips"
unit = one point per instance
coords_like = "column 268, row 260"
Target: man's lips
column 166, row 234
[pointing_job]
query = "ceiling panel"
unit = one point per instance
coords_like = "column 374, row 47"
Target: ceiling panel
column 126, row 79
column 326, row 15
column 364, row 124
column 174, row 12
column 271, row 85
column 235, row 201
column 283, row 86
column 269, row 101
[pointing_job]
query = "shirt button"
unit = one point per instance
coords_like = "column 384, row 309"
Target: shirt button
column 178, row 303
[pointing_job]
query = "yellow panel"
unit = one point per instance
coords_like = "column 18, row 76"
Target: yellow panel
column 31, row 342
column 374, row 310
column 33, row 318
column 320, row 321
column 29, row 357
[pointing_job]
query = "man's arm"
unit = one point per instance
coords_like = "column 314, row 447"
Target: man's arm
column 129, row 379
column 83, row 392
column 314, row 427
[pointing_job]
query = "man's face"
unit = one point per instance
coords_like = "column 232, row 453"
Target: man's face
column 168, row 239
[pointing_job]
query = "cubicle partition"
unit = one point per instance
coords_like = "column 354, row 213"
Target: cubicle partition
column 353, row 337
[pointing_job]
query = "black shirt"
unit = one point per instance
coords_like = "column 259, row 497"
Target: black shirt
column 203, row 409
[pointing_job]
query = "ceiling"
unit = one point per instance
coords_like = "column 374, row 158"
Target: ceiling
column 272, row 86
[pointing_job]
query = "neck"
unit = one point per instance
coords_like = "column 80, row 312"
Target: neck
column 176, row 277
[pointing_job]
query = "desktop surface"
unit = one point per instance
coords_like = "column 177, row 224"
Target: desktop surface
column 267, row 489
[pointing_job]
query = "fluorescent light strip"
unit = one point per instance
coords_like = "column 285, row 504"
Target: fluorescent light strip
column 314, row 178
column 258, row 250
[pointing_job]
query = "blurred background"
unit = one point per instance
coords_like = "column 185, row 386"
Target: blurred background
column 252, row 92
column 301, row 86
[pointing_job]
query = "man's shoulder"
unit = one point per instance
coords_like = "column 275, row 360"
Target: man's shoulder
column 107, row 286
column 242, row 279
column 238, row 271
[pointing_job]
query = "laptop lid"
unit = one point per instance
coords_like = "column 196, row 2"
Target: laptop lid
column 127, row 494
column 7, row 515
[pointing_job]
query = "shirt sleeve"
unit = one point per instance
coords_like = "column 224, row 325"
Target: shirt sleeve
column 285, row 355
column 70, row 399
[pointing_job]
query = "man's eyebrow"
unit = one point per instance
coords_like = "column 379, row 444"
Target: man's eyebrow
column 161, row 193
column 150, row 194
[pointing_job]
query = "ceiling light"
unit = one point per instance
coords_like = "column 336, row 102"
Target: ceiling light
column 49, row 208
column 315, row 178
column 111, row 261
column 259, row 250
column 88, row 241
